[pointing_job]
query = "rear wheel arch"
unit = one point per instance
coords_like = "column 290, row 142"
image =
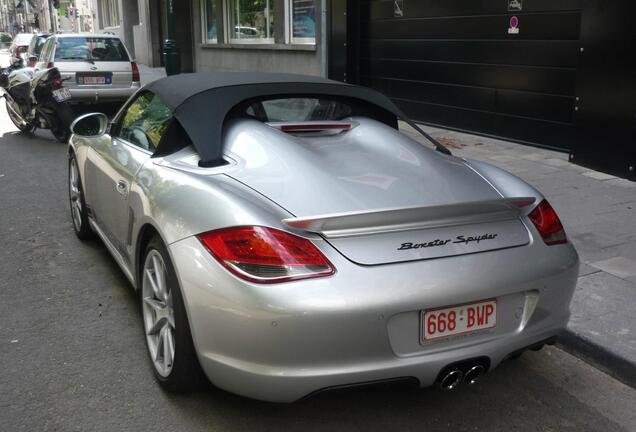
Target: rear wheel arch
column 146, row 233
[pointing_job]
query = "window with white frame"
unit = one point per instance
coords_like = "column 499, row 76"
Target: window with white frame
column 257, row 21
column 109, row 11
column 251, row 21
column 302, row 25
column 209, row 21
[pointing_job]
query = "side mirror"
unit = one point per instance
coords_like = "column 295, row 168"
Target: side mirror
column 90, row 125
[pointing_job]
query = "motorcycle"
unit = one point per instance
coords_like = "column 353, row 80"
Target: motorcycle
column 37, row 99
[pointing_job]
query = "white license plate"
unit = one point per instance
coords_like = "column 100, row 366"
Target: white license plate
column 60, row 95
column 453, row 320
column 94, row 80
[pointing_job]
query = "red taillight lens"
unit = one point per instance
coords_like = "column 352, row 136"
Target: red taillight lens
column 57, row 83
column 50, row 65
column 266, row 255
column 548, row 224
column 135, row 72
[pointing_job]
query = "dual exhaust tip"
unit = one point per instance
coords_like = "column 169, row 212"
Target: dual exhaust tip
column 456, row 377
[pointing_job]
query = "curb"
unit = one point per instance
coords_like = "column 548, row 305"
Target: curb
column 609, row 362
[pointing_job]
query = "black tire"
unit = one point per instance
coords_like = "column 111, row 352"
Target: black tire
column 26, row 128
column 186, row 374
column 79, row 214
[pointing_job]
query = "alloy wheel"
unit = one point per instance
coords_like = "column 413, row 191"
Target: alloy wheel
column 158, row 313
column 75, row 195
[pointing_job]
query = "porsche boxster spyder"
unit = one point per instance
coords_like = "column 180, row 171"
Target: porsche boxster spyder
column 285, row 238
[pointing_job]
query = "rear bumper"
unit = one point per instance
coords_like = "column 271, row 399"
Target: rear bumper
column 282, row 342
column 92, row 95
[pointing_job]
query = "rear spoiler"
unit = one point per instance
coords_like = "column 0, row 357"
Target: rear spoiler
column 410, row 218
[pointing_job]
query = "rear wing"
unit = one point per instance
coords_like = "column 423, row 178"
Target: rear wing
column 411, row 218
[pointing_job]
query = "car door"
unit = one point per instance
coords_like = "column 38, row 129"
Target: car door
column 115, row 162
column 45, row 54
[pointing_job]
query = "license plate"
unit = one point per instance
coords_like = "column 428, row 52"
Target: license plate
column 454, row 320
column 94, row 80
column 60, row 95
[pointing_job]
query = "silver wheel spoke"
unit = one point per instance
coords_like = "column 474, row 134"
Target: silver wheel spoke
column 159, row 351
column 74, row 192
column 159, row 278
column 167, row 357
column 158, row 313
column 171, row 344
column 153, row 284
column 155, row 304
column 156, row 328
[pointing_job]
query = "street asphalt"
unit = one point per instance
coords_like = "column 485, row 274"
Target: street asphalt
column 72, row 354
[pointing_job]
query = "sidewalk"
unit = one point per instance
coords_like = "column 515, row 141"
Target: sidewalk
column 599, row 214
column 149, row 74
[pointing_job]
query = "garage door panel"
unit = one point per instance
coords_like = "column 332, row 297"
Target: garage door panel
column 542, row 80
column 444, row 115
column 536, row 105
column 556, row 26
column 383, row 9
column 478, row 98
column 455, row 63
column 548, row 134
column 513, row 52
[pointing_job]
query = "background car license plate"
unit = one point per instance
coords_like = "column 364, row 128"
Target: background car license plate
column 439, row 323
column 95, row 80
column 60, row 95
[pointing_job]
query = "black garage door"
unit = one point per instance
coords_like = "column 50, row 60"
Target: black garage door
column 477, row 65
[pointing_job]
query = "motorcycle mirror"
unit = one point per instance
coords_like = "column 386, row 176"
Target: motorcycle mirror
column 90, row 125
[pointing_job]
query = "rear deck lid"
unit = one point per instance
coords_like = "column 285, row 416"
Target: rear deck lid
column 366, row 178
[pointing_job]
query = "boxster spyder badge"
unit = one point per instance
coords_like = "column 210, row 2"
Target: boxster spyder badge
column 239, row 206
column 438, row 242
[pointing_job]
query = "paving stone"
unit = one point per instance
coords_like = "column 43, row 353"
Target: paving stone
column 618, row 266
column 587, row 269
column 602, row 315
column 622, row 183
column 598, row 175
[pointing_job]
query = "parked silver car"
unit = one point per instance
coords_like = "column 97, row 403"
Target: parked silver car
column 98, row 66
column 284, row 237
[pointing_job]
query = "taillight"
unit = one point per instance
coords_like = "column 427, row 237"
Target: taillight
column 548, row 224
column 57, row 83
column 135, row 72
column 266, row 255
column 50, row 65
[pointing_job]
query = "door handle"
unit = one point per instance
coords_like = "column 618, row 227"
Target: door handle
column 122, row 187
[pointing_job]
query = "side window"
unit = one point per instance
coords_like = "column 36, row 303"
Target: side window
column 46, row 51
column 31, row 48
column 144, row 122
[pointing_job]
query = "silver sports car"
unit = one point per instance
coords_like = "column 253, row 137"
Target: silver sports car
column 285, row 238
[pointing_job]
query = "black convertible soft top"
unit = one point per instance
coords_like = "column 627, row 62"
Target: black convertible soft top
column 201, row 101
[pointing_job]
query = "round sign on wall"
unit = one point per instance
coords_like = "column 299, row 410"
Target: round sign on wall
column 513, row 25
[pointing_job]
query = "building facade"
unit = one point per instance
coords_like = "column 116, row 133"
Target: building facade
column 118, row 17
column 265, row 35
column 551, row 73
